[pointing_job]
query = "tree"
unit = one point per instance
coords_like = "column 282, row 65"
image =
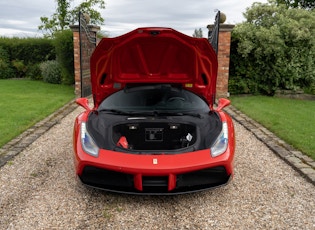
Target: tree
column 275, row 48
column 64, row 16
column 198, row 33
column 87, row 7
column 305, row 4
column 58, row 21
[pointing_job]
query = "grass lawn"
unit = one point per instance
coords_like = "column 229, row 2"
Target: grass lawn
column 290, row 119
column 25, row 102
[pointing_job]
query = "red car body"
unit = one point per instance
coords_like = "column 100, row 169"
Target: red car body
column 154, row 60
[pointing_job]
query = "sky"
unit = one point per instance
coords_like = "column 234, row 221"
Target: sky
column 21, row 18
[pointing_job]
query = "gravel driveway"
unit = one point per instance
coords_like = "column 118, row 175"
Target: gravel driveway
column 38, row 190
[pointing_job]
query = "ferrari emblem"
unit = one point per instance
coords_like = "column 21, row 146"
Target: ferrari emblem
column 155, row 161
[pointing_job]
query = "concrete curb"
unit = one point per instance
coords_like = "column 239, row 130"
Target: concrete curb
column 300, row 162
column 296, row 159
column 18, row 144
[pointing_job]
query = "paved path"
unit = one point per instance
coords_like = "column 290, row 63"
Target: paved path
column 38, row 190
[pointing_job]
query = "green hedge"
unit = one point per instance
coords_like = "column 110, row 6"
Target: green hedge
column 63, row 42
column 274, row 49
column 22, row 54
column 6, row 70
column 30, row 50
column 22, row 57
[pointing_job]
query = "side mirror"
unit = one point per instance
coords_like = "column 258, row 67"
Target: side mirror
column 223, row 102
column 84, row 102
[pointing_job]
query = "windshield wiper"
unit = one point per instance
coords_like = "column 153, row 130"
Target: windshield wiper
column 115, row 111
column 170, row 113
column 185, row 114
column 128, row 113
column 150, row 113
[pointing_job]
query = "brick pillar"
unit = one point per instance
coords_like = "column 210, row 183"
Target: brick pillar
column 223, row 59
column 76, row 54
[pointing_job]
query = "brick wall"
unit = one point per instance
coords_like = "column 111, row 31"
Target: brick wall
column 77, row 64
column 87, row 49
column 223, row 59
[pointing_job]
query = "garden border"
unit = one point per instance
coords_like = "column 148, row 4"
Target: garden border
column 19, row 143
column 303, row 164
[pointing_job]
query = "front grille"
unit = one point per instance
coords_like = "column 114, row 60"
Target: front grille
column 121, row 182
column 155, row 184
column 202, row 179
column 107, row 179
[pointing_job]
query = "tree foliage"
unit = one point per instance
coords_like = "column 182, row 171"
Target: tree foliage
column 198, row 33
column 88, row 7
column 305, row 4
column 65, row 16
column 274, row 49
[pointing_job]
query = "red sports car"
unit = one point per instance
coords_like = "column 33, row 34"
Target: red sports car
column 154, row 128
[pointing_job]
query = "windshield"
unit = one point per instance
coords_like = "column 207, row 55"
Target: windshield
column 160, row 98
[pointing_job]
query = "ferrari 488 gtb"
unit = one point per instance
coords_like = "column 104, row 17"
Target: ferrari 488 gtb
column 154, row 128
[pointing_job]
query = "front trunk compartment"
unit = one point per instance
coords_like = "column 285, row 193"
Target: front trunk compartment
column 154, row 136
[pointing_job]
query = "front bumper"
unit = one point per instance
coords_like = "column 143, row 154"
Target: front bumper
column 154, row 185
column 153, row 174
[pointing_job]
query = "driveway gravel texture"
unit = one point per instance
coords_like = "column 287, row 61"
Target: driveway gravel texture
column 39, row 190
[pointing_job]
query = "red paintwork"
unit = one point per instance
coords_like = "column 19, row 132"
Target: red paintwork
column 84, row 102
column 154, row 55
column 142, row 165
column 223, row 102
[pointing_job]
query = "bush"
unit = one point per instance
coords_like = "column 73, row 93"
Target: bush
column 20, row 68
column 34, row 72
column 274, row 49
column 51, row 72
column 310, row 89
column 63, row 43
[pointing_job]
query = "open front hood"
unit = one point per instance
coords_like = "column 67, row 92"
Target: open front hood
column 154, row 55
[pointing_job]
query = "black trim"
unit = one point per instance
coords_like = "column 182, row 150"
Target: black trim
column 154, row 185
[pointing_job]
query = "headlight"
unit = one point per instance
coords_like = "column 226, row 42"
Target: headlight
column 221, row 143
column 87, row 141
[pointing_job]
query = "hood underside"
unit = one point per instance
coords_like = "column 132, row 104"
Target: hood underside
column 153, row 55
